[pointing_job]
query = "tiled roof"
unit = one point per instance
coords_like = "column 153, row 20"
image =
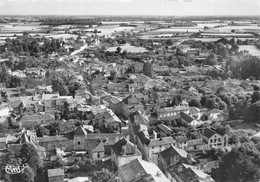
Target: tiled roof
column 137, row 168
column 173, row 109
column 143, row 137
column 161, row 141
column 140, row 118
column 132, row 170
column 118, row 147
column 186, row 117
column 195, row 142
column 181, row 138
column 164, row 128
column 39, row 117
column 52, row 138
column 80, row 131
column 50, row 96
column 208, row 132
column 194, row 110
column 55, row 172
column 95, row 145
column 172, row 151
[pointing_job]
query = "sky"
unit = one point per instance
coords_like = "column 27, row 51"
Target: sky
column 130, row 7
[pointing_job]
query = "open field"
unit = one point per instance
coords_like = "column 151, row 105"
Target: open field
column 252, row 49
column 128, row 48
column 240, row 126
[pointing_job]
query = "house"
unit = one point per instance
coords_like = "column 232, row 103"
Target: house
column 217, row 115
column 134, row 87
column 80, row 179
column 35, row 72
column 130, row 104
column 36, row 119
column 98, row 81
column 114, row 103
column 80, row 135
column 137, row 122
column 55, row 175
column 161, row 69
column 196, row 145
column 171, row 112
column 189, row 119
column 51, row 143
column 139, row 170
column 123, row 152
column 95, row 149
column 164, row 129
column 195, row 112
column 181, row 142
column 151, row 147
column 138, row 66
column 169, row 159
column 189, row 173
column 214, row 139
column 117, row 87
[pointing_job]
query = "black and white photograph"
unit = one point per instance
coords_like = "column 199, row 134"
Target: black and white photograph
column 129, row 91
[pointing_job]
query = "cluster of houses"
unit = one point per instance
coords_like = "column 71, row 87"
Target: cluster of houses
column 118, row 129
column 118, row 119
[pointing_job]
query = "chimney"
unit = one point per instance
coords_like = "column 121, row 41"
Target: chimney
column 135, row 149
column 189, row 157
column 208, row 178
column 124, row 150
column 158, row 173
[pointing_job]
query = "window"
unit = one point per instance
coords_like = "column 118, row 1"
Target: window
column 78, row 143
column 98, row 155
column 219, row 140
column 215, row 140
column 152, row 147
column 211, row 141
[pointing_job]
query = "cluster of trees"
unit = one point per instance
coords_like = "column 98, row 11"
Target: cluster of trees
column 244, row 67
column 27, row 45
column 54, row 128
column 9, row 80
column 240, row 164
column 28, row 156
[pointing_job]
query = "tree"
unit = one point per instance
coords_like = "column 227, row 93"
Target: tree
column 204, row 100
column 195, row 103
column 234, row 48
column 253, row 113
column 255, row 97
column 240, row 164
column 212, row 60
column 212, row 103
column 222, row 105
column 28, row 175
column 103, row 176
column 54, row 128
column 41, row 131
column 66, row 112
column 58, row 85
column 118, row 50
column 169, row 42
column 30, row 156
column 57, row 163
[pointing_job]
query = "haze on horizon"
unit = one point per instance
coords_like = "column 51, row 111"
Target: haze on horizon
column 130, row 7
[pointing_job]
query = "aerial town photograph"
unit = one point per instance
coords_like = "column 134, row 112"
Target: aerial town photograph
column 129, row 91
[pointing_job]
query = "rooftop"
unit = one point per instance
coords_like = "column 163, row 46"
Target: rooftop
column 55, row 172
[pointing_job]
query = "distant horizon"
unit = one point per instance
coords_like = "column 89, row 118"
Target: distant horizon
column 96, row 15
column 130, row 7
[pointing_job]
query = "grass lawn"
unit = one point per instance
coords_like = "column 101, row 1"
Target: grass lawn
column 240, row 126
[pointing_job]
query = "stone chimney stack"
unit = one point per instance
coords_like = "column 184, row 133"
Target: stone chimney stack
column 124, row 150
